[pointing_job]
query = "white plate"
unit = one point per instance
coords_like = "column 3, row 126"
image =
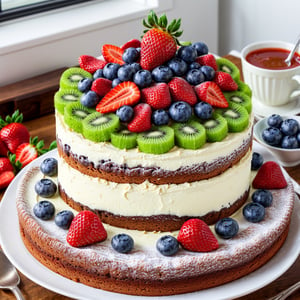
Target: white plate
column 13, row 247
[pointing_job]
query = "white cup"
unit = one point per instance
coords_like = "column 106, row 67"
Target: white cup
column 271, row 87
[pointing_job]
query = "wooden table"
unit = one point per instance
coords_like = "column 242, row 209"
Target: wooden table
column 44, row 128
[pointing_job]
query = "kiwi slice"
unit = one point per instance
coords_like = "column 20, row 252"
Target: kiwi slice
column 71, row 77
column 236, row 116
column 98, row 127
column 74, row 114
column 158, row 140
column 244, row 87
column 239, row 98
column 190, row 135
column 64, row 97
column 216, row 128
column 227, row 66
column 124, row 139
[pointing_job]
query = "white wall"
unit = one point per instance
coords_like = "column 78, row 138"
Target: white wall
column 245, row 21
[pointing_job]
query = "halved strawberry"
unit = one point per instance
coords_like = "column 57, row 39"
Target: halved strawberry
column 134, row 43
column 195, row 235
column 26, row 153
column 269, row 176
column 207, row 60
column 125, row 93
column 5, row 164
column 90, row 63
column 112, row 54
column 225, row 81
column 181, row 90
column 101, row 86
column 6, row 178
column 157, row 96
column 86, row 229
column 141, row 119
column 210, row 92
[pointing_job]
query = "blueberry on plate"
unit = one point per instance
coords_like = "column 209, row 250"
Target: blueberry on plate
column 64, row 218
column 254, row 212
column 272, row 136
column 227, row 228
column 263, row 197
column 257, row 161
column 203, row 110
column 89, row 99
column 122, row 243
column 180, row 111
column 45, row 188
column 162, row 74
column 289, row 127
column 44, row 210
column 142, row 78
column 289, row 142
column 274, row 120
column 125, row 113
column 167, row 245
column 160, row 117
column 49, row 166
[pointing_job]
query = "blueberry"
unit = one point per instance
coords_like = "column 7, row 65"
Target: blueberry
column 160, row 117
column 49, row 166
column 203, row 110
column 89, row 99
column 135, row 66
column 274, row 121
column 180, row 111
column 45, row 188
column 142, row 78
column 125, row 73
column 162, row 74
column 227, row 228
column 209, row 72
column 272, row 136
column 110, row 71
column 130, row 55
column 201, row 48
column 298, row 138
column 122, row 243
column 125, row 113
column 178, row 66
column 44, row 210
column 289, row 127
column 115, row 82
column 64, row 219
column 263, row 197
column 98, row 74
column 254, row 212
column 194, row 65
column 187, row 53
column 257, row 161
column 84, row 85
column 289, row 142
column 167, row 245
column 195, row 76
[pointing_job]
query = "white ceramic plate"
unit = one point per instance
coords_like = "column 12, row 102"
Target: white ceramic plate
column 13, row 247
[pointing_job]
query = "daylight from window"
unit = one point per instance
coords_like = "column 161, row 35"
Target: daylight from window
column 9, row 4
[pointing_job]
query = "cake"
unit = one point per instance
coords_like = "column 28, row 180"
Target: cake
column 143, row 158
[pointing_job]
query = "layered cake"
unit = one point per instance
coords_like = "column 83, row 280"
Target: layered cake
column 154, row 145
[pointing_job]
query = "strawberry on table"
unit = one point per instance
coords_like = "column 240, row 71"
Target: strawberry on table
column 141, row 119
column 157, row 96
column 225, row 81
column 90, row 63
column 112, row 54
column 5, row 164
column 3, row 149
column 6, row 178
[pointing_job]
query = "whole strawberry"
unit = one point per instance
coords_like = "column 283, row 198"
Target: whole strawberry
column 159, row 43
column 157, row 96
column 141, row 119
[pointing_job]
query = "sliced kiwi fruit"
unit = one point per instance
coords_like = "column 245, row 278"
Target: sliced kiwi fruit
column 229, row 67
column 124, row 139
column 158, row 140
column 98, row 127
column 239, row 98
column 190, row 135
column 71, row 77
column 236, row 116
column 64, row 97
column 74, row 114
column 244, row 87
column 216, row 128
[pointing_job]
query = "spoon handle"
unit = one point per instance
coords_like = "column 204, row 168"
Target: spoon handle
column 290, row 56
column 17, row 293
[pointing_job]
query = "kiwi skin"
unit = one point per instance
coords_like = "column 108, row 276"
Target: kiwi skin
column 239, row 98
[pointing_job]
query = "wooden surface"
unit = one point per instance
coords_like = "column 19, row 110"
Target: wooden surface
column 44, row 127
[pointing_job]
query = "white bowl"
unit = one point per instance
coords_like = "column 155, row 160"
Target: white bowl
column 286, row 157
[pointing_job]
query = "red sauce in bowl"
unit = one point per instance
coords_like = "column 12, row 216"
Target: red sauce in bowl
column 272, row 58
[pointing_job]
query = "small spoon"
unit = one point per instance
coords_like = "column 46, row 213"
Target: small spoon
column 9, row 278
column 290, row 56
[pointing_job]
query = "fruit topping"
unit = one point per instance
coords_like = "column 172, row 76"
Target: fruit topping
column 227, row 228
column 110, row 71
column 201, row 48
column 89, row 99
column 142, row 78
column 134, row 43
column 263, row 197
column 187, row 53
column 122, row 243
column 256, row 161
column 227, row 66
column 44, row 210
column 167, row 245
column 45, row 188
column 124, row 139
column 64, row 218
column 141, row 118
column 216, row 128
column 125, row 113
column 160, row 117
column 162, row 74
column 181, row 90
column 64, row 97
column 180, row 111
column 71, row 77
column 178, row 66
column 157, row 96
column 239, row 98
column 254, row 212
column 130, row 55
column 112, row 54
column 91, row 64
column 207, row 60
column 225, row 81
column 203, row 110
column 101, row 86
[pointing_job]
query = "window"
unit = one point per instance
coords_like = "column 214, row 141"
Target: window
column 12, row 9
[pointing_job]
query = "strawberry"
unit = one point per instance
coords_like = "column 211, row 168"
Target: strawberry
column 157, row 96
column 195, row 235
column 181, row 90
column 269, row 176
column 125, row 93
column 159, row 43
column 112, row 54
column 207, row 60
column 101, row 86
column 13, row 133
column 3, row 149
column 26, row 153
column 225, row 81
column 6, row 178
column 134, row 43
column 210, row 92
column 90, row 63
column 86, row 229
column 141, row 118
column 5, row 164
